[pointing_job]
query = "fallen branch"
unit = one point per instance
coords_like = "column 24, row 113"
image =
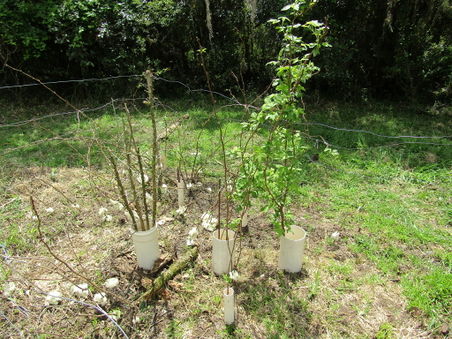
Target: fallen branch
column 177, row 267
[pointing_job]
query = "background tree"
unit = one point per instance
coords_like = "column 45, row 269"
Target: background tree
column 382, row 49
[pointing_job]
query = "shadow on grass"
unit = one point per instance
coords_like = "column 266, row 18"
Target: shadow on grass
column 24, row 145
column 203, row 118
column 270, row 296
column 60, row 142
column 386, row 120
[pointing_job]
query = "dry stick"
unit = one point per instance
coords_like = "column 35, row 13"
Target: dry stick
column 97, row 308
column 180, row 189
column 150, row 88
column 172, row 271
column 171, row 128
column 41, row 237
column 183, row 172
column 122, row 192
column 140, row 165
column 225, row 168
column 56, row 189
column 136, row 203
column 48, row 88
column 193, row 166
column 8, row 202
column 12, row 324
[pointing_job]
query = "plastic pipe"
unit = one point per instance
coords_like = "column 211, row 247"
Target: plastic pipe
column 229, row 305
column 245, row 219
column 146, row 247
column 291, row 249
column 181, row 194
column 222, row 251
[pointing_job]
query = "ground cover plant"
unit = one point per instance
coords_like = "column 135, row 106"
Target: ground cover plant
column 377, row 213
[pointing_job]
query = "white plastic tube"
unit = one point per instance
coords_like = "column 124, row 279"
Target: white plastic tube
column 229, row 305
column 162, row 162
column 222, row 251
column 291, row 249
column 245, row 219
column 181, row 194
column 146, row 247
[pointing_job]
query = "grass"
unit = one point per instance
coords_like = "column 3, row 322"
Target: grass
column 390, row 204
column 399, row 222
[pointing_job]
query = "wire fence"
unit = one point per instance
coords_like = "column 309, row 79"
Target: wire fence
column 69, row 81
column 184, row 143
column 426, row 140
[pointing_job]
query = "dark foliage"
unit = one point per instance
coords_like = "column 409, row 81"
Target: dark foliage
column 383, row 49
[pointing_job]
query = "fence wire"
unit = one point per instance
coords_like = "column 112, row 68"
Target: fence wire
column 234, row 103
column 70, row 81
column 376, row 134
column 82, row 110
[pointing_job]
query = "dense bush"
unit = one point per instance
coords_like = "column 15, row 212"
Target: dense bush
column 394, row 49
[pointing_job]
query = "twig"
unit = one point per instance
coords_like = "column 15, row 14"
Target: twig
column 8, row 202
column 48, row 88
column 41, row 237
column 96, row 307
column 12, row 325
column 141, row 168
column 122, row 192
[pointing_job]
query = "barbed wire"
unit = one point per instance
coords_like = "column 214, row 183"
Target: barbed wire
column 376, row 134
column 316, row 139
column 120, row 77
column 230, row 98
column 234, row 101
column 70, row 81
column 185, row 85
column 83, row 110
column 328, row 144
column 237, row 103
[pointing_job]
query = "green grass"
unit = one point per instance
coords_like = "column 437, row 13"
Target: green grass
column 430, row 292
column 283, row 314
column 16, row 234
column 393, row 202
column 399, row 221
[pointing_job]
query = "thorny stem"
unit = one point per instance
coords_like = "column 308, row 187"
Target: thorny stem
column 122, row 192
column 41, row 237
column 127, row 141
column 136, row 203
column 140, row 165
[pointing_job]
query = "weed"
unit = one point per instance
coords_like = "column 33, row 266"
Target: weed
column 173, row 330
column 386, row 331
column 431, row 292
